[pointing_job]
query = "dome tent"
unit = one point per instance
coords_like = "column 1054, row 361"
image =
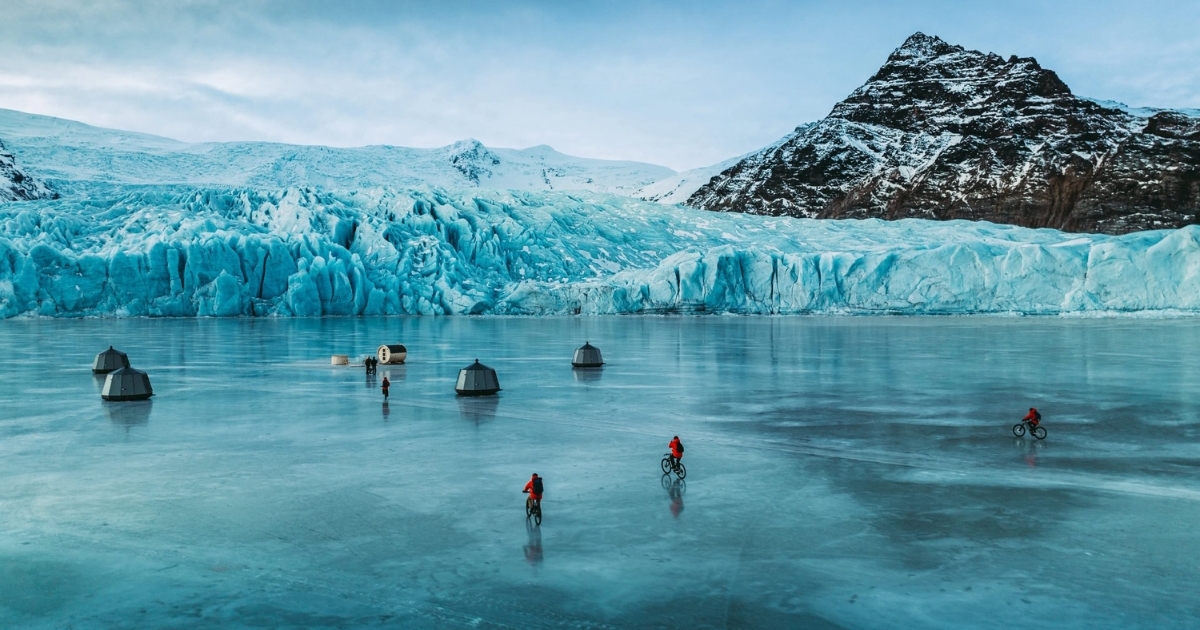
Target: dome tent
column 127, row 384
column 391, row 354
column 109, row 360
column 477, row 379
column 587, row 356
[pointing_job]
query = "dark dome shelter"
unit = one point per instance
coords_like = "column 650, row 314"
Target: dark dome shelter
column 588, row 356
column 391, row 354
column 109, row 360
column 127, row 384
column 477, row 379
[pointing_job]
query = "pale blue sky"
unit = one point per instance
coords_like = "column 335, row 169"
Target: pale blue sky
column 683, row 84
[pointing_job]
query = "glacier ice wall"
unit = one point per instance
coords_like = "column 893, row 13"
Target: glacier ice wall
column 299, row 252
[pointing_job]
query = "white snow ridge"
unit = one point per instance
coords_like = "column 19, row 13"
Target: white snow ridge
column 289, row 234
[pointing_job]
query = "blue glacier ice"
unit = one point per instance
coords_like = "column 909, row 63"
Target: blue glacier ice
column 305, row 252
column 149, row 226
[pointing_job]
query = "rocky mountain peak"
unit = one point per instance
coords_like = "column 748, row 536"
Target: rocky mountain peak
column 1170, row 124
column 943, row 132
column 15, row 185
column 929, row 85
column 922, row 46
column 472, row 159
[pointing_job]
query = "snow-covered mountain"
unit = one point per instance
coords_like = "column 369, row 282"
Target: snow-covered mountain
column 15, row 184
column 941, row 132
column 147, row 226
column 75, row 157
column 679, row 187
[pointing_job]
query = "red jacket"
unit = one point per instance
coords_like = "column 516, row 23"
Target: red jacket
column 675, row 448
column 1033, row 416
column 529, row 489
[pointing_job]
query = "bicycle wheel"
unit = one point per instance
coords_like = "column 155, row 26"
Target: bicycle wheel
column 681, row 471
column 1039, row 433
column 1019, row 429
column 528, row 508
column 537, row 515
column 666, row 465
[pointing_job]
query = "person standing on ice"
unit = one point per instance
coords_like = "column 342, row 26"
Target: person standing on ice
column 386, row 385
column 676, row 450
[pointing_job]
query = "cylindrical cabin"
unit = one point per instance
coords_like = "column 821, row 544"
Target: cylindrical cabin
column 127, row 384
column 391, row 354
column 109, row 360
column 587, row 356
column 477, row 379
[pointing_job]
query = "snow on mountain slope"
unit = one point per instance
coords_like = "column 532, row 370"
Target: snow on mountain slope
column 678, row 187
column 942, row 132
column 1140, row 112
column 223, row 252
column 80, row 158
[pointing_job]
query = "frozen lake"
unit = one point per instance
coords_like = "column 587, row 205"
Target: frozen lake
column 842, row 473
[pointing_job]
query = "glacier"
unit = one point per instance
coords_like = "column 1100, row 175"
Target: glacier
column 79, row 159
column 171, row 251
column 131, row 224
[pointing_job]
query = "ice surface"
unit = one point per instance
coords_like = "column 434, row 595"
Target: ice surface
column 221, row 252
column 843, row 473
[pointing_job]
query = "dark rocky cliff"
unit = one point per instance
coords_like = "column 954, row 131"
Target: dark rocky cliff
column 16, row 185
column 941, row 132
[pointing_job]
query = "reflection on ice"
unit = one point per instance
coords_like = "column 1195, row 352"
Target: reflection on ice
column 128, row 414
column 588, row 376
column 394, row 373
column 478, row 409
column 533, row 548
column 675, row 488
column 1029, row 450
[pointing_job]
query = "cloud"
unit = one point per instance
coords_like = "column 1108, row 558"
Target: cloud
column 682, row 84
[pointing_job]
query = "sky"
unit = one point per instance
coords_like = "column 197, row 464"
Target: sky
column 683, row 84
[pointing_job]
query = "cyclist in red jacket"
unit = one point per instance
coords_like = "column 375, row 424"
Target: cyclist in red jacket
column 1033, row 417
column 676, row 450
column 534, row 489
